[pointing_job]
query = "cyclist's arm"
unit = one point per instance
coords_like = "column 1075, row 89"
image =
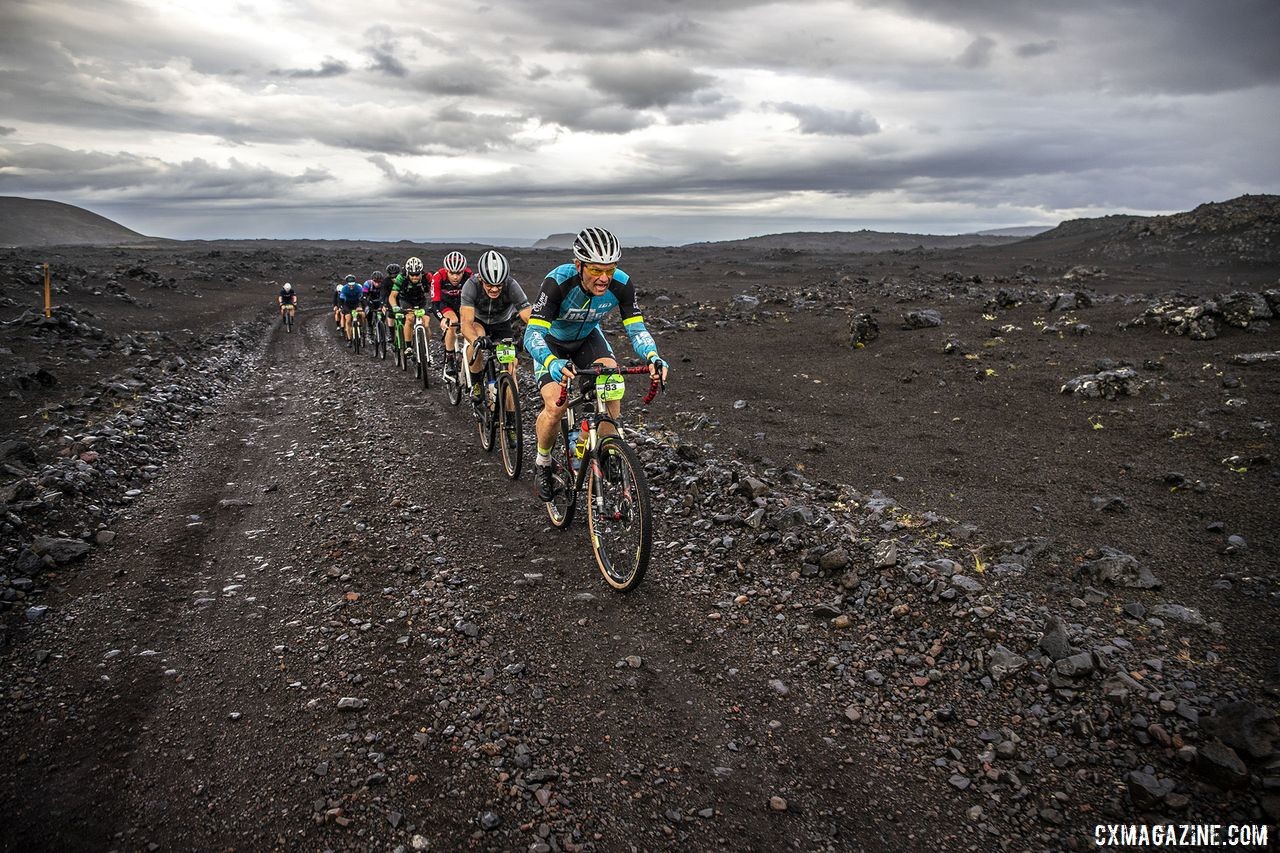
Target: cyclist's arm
column 435, row 292
column 545, row 309
column 632, row 320
column 470, row 328
column 395, row 296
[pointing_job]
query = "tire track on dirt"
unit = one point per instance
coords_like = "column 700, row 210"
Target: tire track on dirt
column 332, row 532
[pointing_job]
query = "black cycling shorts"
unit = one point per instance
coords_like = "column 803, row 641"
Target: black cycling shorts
column 582, row 353
column 497, row 331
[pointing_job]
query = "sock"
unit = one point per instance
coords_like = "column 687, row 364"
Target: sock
column 544, row 456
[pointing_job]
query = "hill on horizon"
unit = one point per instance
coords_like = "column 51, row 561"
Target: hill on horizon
column 42, row 222
column 1245, row 229
column 860, row 241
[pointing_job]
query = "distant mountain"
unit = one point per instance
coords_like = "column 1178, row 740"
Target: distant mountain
column 1016, row 231
column 860, row 241
column 555, row 241
column 40, row 222
column 1245, row 229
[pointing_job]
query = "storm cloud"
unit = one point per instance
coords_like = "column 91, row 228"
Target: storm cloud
column 531, row 111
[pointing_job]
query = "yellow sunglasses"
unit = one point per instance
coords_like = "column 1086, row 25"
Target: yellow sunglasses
column 596, row 271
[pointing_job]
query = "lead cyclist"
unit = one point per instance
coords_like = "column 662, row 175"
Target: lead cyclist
column 564, row 331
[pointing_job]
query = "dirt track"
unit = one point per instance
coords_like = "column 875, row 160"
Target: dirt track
column 184, row 688
column 196, row 702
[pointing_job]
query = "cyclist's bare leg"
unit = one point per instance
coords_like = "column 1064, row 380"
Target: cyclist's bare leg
column 548, row 423
column 450, row 323
column 613, row 407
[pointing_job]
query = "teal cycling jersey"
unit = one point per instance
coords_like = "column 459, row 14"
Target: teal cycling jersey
column 565, row 312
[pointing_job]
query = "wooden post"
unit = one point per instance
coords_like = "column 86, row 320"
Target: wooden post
column 47, row 310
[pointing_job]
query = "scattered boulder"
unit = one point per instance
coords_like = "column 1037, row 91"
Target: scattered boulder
column 1001, row 662
column 1054, row 641
column 863, row 329
column 1106, row 384
column 1119, row 569
column 1244, row 727
column 60, row 550
column 1219, row 763
column 924, row 318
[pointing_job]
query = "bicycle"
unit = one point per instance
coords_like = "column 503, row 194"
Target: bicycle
column 494, row 420
column 421, row 348
column 357, row 328
column 288, row 318
column 378, row 333
column 618, row 514
column 398, row 338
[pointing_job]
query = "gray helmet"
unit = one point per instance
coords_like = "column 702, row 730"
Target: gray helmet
column 493, row 267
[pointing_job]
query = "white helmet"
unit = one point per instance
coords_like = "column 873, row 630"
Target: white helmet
column 493, row 267
column 596, row 246
column 413, row 266
column 288, row 288
column 455, row 262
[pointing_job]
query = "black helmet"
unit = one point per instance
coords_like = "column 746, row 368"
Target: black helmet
column 393, row 270
column 378, row 276
column 351, row 279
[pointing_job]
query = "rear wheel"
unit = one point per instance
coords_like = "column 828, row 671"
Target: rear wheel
column 618, row 513
column 510, row 429
column 564, row 498
column 380, row 339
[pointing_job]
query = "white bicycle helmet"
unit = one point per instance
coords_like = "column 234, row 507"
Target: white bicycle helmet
column 493, row 267
column 288, row 288
column 596, row 246
column 413, row 266
column 455, row 262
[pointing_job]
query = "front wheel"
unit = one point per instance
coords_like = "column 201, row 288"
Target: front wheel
column 510, row 429
column 453, row 382
column 422, row 357
column 618, row 513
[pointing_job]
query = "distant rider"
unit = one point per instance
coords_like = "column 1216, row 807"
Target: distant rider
column 348, row 300
column 565, row 331
column 446, row 299
column 288, row 300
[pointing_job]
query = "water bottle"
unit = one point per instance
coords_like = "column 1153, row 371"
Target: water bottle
column 491, row 391
column 577, row 446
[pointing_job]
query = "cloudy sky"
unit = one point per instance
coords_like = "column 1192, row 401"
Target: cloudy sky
column 671, row 121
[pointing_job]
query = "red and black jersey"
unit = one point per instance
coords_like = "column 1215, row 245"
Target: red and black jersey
column 443, row 291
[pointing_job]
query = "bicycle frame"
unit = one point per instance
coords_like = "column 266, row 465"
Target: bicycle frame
column 590, row 422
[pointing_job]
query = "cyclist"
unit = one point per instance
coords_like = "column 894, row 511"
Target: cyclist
column 491, row 299
column 348, row 300
column 288, row 300
column 337, row 305
column 372, row 289
column 409, row 291
column 446, row 299
column 564, row 331
column 388, row 282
